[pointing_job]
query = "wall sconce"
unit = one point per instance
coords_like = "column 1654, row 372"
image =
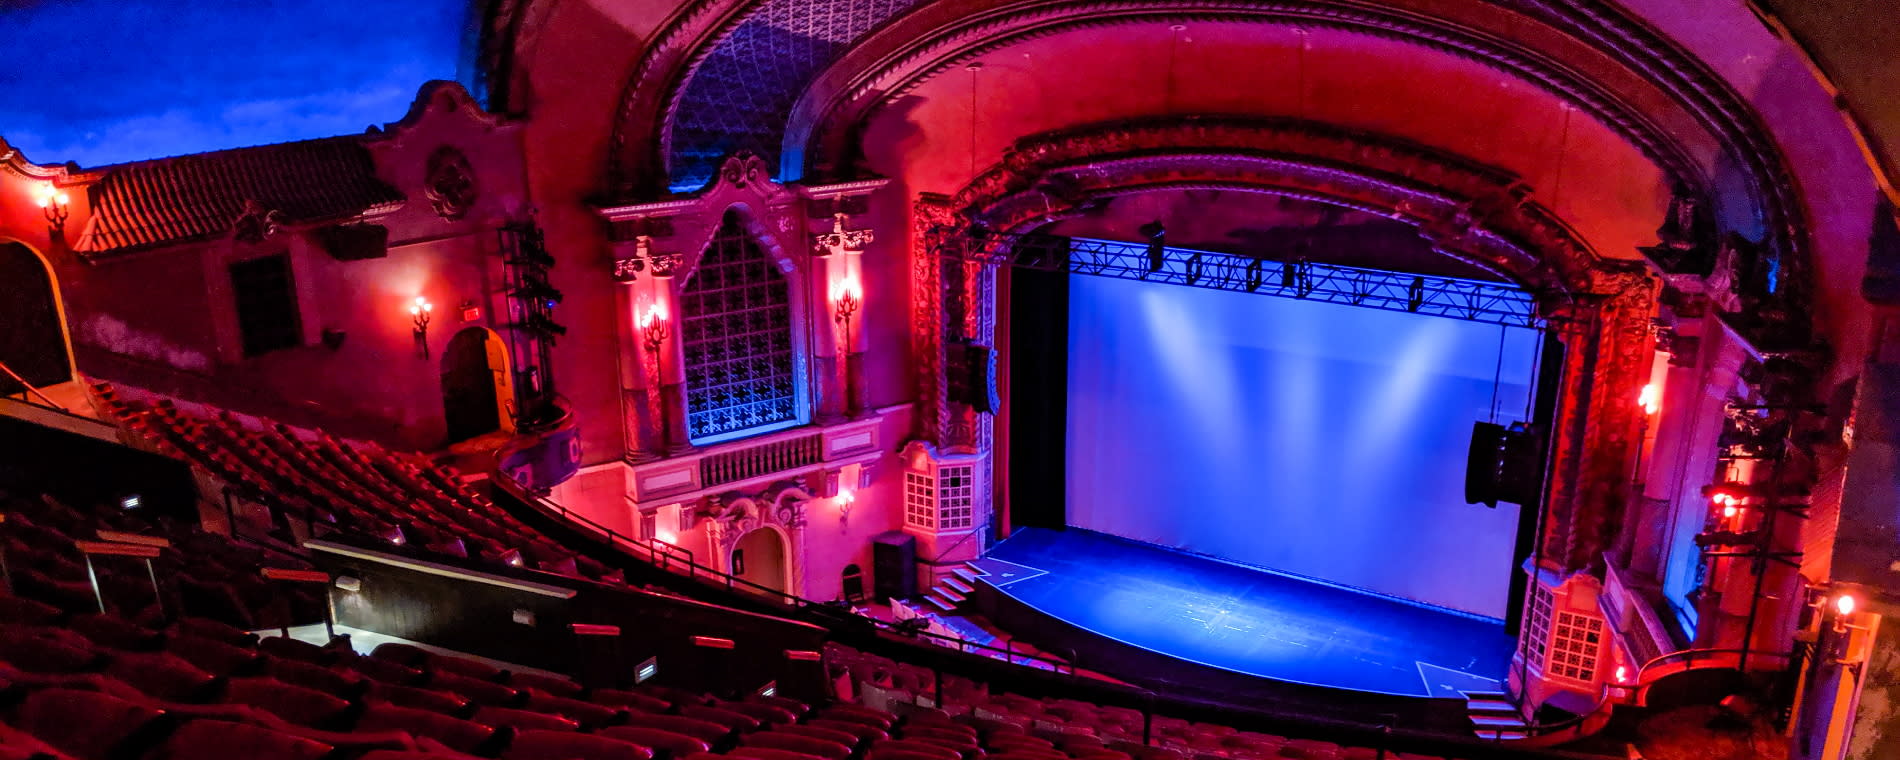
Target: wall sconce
column 845, row 499
column 846, row 297
column 53, row 203
column 653, row 330
column 419, row 313
column 1650, row 399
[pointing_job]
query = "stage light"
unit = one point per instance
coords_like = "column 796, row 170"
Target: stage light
column 1622, row 674
column 1157, row 236
column 1845, row 604
column 1730, row 510
column 1650, row 399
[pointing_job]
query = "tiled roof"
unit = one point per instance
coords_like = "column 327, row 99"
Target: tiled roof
column 169, row 200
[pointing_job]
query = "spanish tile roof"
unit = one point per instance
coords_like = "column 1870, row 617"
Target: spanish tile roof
column 170, row 200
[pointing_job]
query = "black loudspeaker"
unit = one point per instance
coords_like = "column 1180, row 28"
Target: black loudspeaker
column 971, row 373
column 1503, row 464
column 894, row 565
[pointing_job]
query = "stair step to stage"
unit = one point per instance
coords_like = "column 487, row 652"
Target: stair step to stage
column 962, row 586
column 950, row 594
column 939, row 603
column 967, row 573
column 1477, row 695
column 1498, row 723
column 1503, row 735
column 1491, row 706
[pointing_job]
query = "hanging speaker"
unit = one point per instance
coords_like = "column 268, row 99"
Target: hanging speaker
column 1482, row 462
column 1504, row 464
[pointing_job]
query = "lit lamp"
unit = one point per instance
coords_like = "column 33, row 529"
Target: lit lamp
column 1650, row 399
column 653, row 333
column 53, row 203
column 845, row 499
column 846, row 298
column 419, row 314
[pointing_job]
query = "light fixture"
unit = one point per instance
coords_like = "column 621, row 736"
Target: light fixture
column 846, row 298
column 1157, row 236
column 1650, row 399
column 845, row 499
column 419, row 313
column 1845, row 604
column 53, row 202
column 653, row 330
column 1622, row 674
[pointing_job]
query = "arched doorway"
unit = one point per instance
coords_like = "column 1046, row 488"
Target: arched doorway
column 32, row 331
column 760, row 558
column 476, row 394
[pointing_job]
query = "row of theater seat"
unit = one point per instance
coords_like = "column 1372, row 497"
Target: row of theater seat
column 1072, row 726
column 93, row 686
column 321, row 484
column 196, row 573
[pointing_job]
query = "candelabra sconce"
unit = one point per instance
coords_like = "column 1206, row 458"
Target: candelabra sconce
column 419, row 313
column 846, row 299
column 845, row 500
column 654, row 330
column 54, row 203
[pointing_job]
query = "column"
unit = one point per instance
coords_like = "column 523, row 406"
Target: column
column 640, row 424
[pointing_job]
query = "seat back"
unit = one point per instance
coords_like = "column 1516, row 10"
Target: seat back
column 85, row 724
column 162, row 675
column 665, row 743
column 299, row 705
column 223, row 740
column 564, row 745
column 454, row 733
column 807, row 745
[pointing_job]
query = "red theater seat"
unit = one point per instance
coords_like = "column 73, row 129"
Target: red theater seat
column 447, row 703
column 561, row 745
column 85, row 724
column 386, row 671
column 223, row 740
column 806, row 745
column 334, row 681
column 215, row 657
column 454, row 733
column 205, row 628
column 296, row 704
column 523, row 719
column 116, row 632
column 845, row 738
column 705, row 731
column 630, row 699
column 668, row 743
column 478, row 691
column 864, row 731
column 51, row 651
column 162, row 675
column 763, row 713
column 584, row 712
column 732, row 720
column 464, row 666
column 554, row 685
column 763, row 753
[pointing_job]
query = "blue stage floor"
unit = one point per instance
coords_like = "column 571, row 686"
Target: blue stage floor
column 1247, row 620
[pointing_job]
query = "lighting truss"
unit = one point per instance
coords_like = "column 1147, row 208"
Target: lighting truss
column 1455, row 298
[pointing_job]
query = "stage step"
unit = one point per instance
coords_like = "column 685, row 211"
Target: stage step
column 1495, row 695
column 939, row 603
column 1498, row 722
column 1491, row 707
column 962, row 586
column 950, row 594
column 1503, row 735
column 966, row 573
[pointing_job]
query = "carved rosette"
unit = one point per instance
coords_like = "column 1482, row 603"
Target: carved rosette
column 449, row 183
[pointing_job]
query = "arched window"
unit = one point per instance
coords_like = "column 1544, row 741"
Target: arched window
column 741, row 375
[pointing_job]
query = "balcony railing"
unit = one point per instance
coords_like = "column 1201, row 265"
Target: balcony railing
column 757, row 461
column 760, row 460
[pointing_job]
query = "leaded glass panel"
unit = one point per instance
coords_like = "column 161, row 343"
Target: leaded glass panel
column 737, row 335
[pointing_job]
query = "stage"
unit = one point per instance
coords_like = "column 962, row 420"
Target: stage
column 1221, row 616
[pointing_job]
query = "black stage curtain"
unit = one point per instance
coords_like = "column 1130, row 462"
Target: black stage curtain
column 1038, row 383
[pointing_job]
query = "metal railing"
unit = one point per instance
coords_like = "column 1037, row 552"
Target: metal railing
column 675, row 558
column 30, row 389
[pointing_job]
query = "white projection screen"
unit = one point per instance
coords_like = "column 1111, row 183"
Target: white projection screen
column 1315, row 439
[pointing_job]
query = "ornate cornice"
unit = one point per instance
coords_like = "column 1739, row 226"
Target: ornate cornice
column 1478, row 214
column 1608, row 53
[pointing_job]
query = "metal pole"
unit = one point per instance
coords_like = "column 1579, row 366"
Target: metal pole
column 94, row 577
column 158, row 596
column 936, row 678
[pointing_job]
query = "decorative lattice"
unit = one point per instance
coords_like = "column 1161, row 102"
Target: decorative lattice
column 1573, row 650
column 737, row 334
column 741, row 95
column 1537, row 624
column 956, row 494
column 920, row 500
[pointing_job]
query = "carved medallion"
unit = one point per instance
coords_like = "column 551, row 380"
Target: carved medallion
column 450, row 183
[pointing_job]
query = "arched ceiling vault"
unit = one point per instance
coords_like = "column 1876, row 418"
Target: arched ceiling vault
column 750, row 73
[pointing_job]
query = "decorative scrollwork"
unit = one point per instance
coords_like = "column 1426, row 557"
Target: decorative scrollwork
column 841, row 240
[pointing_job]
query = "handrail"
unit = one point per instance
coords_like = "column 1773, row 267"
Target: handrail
column 30, row 389
column 670, row 553
column 1690, row 656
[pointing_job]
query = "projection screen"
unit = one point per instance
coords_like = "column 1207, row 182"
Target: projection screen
column 1315, row 439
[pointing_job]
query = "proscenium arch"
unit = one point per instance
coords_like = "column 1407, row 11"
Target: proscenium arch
column 1589, row 51
column 1601, row 306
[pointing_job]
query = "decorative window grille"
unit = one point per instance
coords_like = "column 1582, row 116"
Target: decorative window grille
column 1574, row 649
column 920, row 500
column 1537, row 632
column 737, row 336
column 956, row 487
